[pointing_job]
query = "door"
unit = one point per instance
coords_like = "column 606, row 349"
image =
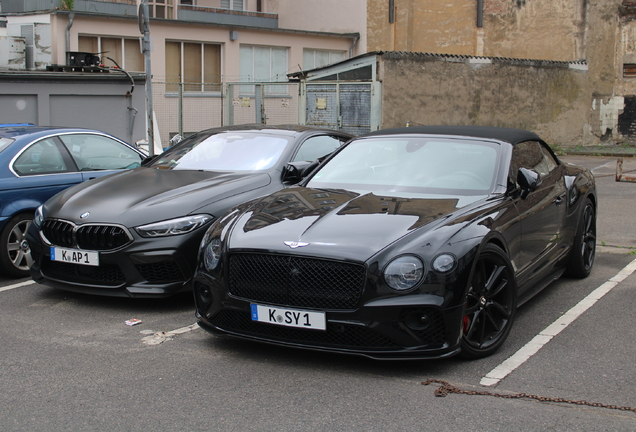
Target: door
column 340, row 106
column 543, row 211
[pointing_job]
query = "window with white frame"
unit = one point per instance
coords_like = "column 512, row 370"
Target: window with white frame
column 161, row 9
column 114, row 51
column 196, row 66
column 233, row 4
column 263, row 64
column 314, row 58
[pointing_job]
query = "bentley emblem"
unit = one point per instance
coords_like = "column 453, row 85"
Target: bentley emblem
column 84, row 215
column 294, row 245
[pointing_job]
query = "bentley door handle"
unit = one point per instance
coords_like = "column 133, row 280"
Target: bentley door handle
column 560, row 199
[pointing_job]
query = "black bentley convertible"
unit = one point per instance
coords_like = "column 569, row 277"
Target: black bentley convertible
column 406, row 243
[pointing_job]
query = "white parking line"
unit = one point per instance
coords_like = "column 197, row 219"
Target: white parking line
column 504, row 369
column 18, row 285
column 603, row 166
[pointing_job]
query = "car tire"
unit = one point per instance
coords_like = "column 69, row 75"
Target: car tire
column 490, row 304
column 584, row 247
column 15, row 254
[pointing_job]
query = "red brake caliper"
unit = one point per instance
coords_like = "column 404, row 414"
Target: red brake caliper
column 466, row 323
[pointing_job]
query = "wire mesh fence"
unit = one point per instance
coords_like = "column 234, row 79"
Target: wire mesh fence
column 187, row 108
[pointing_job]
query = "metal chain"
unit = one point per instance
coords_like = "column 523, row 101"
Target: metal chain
column 447, row 388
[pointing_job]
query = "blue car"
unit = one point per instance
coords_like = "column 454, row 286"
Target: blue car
column 38, row 162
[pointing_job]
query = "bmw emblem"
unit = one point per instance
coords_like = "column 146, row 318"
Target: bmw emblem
column 84, row 215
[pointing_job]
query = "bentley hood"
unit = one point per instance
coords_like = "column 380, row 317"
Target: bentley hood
column 147, row 195
column 360, row 224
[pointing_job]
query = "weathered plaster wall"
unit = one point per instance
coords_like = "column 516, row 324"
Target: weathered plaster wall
column 549, row 98
column 625, row 86
column 422, row 26
column 602, row 32
column 533, row 29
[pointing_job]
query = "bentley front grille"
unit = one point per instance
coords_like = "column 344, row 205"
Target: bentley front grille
column 296, row 281
column 87, row 237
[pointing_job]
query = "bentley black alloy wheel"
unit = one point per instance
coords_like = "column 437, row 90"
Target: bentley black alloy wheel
column 584, row 247
column 491, row 303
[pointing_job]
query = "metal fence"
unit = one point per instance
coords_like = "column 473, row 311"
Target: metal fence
column 187, row 108
column 345, row 106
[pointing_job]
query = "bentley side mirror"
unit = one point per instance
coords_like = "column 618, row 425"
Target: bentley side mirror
column 528, row 181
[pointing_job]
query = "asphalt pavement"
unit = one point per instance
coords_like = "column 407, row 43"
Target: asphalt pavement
column 69, row 362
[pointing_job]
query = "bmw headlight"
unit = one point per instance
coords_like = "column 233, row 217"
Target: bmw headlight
column 444, row 263
column 172, row 227
column 39, row 217
column 404, row 272
column 212, row 254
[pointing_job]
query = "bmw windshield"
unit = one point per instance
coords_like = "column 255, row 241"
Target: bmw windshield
column 227, row 151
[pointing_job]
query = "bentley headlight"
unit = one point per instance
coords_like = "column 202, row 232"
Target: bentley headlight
column 212, row 254
column 444, row 263
column 39, row 217
column 172, row 227
column 404, row 273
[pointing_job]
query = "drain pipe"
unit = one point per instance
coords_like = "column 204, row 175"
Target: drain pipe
column 71, row 17
column 480, row 13
column 353, row 45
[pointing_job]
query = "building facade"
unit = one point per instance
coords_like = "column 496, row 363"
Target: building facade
column 200, row 49
column 601, row 34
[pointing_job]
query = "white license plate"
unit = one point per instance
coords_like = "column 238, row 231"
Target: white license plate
column 289, row 317
column 75, row 256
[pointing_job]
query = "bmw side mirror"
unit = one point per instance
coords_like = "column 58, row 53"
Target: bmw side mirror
column 528, row 181
column 147, row 160
column 296, row 171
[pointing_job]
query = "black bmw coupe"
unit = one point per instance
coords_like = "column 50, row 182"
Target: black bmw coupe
column 137, row 233
column 406, row 243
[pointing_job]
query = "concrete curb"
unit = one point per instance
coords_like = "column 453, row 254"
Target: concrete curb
column 614, row 249
column 596, row 151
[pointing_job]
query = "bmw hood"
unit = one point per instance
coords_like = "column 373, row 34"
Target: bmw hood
column 313, row 221
column 147, row 195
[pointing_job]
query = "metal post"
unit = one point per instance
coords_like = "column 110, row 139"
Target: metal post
column 144, row 28
column 229, row 103
column 180, row 109
column 258, row 103
column 620, row 177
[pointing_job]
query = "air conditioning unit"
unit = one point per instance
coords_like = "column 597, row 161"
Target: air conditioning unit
column 75, row 58
column 12, row 53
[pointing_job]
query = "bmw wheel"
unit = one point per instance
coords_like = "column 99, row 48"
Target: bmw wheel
column 491, row 304
column 15, row 254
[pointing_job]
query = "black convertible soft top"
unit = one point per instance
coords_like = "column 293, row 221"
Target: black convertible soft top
column 513, row 136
